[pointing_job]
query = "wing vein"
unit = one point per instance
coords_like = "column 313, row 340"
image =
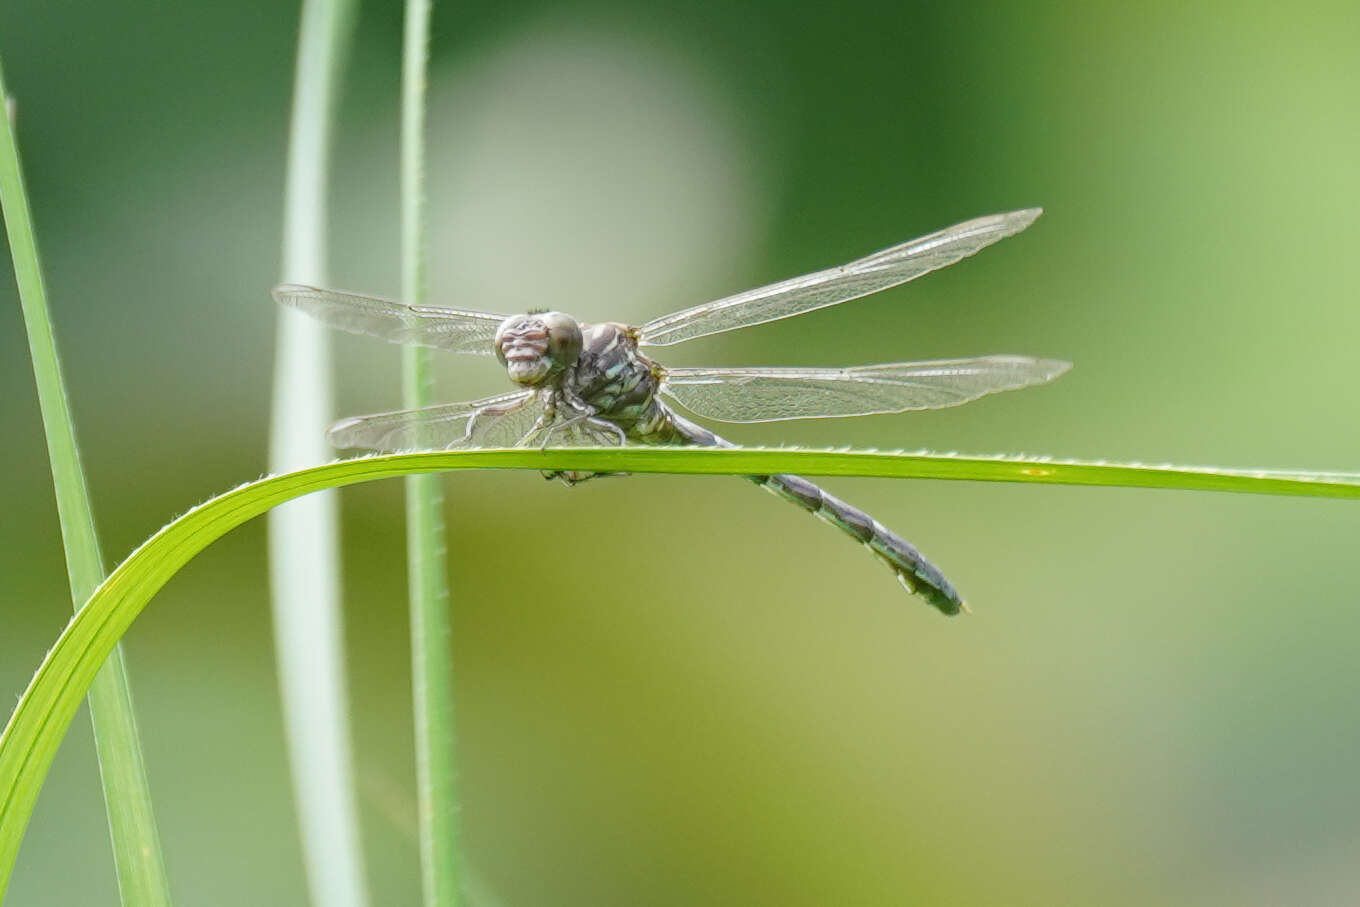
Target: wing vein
column 880, row 271
column 775, row 394
column 454, row 330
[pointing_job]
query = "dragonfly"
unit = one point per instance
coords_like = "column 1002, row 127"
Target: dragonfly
column 589, row 384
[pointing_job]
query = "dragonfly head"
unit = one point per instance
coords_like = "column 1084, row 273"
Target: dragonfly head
column 537, row 347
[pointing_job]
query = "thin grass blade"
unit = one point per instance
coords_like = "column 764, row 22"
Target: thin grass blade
column 122, row 768
column 427, row 568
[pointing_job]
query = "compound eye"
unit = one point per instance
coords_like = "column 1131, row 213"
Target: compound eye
column 564, row 338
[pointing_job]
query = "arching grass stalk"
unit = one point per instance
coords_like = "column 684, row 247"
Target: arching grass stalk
column 122, row 770
column 45, row 711
column 427, row 569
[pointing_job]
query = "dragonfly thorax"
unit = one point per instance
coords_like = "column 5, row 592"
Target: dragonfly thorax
column 537, row 347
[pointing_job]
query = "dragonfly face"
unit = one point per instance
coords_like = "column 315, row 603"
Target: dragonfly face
column 536, row 348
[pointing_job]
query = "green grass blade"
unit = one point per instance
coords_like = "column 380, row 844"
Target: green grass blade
column 122, row 769
column 427, row 569
column 45, row 710
column 304, row 544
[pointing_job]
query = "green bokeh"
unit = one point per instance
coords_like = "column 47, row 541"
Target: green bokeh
column 677, row 690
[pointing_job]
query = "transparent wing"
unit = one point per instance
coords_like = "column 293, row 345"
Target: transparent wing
column 772, row 394
column 876, row 272
column 517, row 419
column 500, row 421
column 396, row 322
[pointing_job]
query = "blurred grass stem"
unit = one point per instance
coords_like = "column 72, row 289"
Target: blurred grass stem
column 427, row 571
column 304, row 536
column 122, row 770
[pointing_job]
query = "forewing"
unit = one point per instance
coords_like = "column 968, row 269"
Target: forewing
column 876, row 272
column 396, row 322
column 500, row 421
column 773, row 394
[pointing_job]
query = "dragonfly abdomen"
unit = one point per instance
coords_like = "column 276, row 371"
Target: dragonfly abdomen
column 911, row 568
column 913, row 571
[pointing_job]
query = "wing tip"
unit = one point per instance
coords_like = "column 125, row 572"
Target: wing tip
column 335, row 435
column 1041, row 370
column 1020, row 218
column 1044, row 369
column 1055, row 368
column 288, row 293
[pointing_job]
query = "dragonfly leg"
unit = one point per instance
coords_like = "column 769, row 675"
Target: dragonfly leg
column 494, row 410
column 585, row 413
column 588, row 414
column 589, row 418
column 467, row 435
column 572, row 478
column 545, row 418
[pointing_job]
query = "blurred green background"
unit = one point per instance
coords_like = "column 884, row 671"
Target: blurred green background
column 677, row 690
